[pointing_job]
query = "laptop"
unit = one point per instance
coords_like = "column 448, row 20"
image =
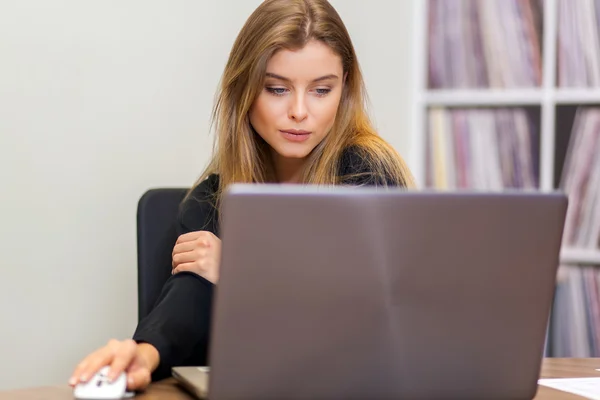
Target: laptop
column 343, row 293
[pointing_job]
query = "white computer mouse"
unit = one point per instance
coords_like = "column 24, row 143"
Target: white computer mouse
column 99, row 388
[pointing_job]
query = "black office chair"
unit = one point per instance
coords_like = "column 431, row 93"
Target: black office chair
column 156, row 235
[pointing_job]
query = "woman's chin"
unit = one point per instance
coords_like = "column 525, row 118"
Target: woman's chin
column 293, row 152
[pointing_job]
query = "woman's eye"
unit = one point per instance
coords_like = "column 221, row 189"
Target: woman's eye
column 323, row 92
column 276, row 91
column 279, row 91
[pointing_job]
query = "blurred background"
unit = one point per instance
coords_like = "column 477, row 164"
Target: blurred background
column 103, row 100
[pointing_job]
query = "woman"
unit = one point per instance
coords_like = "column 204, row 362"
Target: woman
column 290, row 110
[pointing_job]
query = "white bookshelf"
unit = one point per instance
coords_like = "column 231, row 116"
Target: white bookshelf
column 510, row 97
column 546, row 98
column 467, row 98
column 576, row 96
column 580, row 256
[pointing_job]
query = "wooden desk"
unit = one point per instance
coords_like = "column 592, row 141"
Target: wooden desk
column 168, row 389
column 563, row 368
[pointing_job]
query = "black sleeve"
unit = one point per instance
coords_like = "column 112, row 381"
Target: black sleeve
column 179, row 324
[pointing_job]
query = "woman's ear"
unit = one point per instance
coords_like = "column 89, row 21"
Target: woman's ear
column 345, row 76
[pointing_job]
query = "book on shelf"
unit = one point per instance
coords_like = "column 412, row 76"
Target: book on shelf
column 476, row 44
column 576, row 314
column 575, row 321
column 482, row 149
column 498, row 44
column 578, row 47
column 581, row 181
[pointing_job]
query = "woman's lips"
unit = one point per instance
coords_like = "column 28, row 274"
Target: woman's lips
column 294, row 135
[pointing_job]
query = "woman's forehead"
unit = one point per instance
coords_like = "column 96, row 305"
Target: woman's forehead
column 313, row 61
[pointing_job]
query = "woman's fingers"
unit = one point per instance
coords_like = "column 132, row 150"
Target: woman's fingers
column 92, row 364
column 190, row 236
column 138, row 379
column 123, row 356
column 191, row 266
column 189, row 257
column 118, row 355
column 197, row 252
column 76, row 375
column 190, row 249
column 184, row 247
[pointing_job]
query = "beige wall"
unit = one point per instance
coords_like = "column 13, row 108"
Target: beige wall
column 99, row 101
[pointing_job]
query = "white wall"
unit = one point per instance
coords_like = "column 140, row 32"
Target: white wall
column 99, row 101
column 382, row 33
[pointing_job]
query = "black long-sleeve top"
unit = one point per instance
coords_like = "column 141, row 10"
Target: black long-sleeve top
column 179, row 324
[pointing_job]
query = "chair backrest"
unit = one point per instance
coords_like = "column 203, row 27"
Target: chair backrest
column 156, row 236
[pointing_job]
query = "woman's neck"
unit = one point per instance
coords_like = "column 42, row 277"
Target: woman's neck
column 288, row 170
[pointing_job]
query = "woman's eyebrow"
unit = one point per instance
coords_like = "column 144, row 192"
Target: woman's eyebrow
column 283, row 78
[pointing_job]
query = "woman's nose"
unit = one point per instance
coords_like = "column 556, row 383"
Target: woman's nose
column 298, row 110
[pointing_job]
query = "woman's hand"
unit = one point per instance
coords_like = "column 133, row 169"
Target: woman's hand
column 137, row 360
column 198, row 252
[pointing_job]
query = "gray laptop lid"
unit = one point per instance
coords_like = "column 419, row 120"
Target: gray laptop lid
column 363, row 293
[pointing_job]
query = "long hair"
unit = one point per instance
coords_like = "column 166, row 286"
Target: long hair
column 239, row 154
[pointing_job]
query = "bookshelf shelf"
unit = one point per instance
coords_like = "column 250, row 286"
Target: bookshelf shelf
column 482, row 97
column 577, row 96
column 580, row 256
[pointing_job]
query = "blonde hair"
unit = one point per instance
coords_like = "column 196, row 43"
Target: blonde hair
column 239, row 154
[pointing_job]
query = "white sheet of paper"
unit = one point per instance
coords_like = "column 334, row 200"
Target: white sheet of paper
column 586, row 387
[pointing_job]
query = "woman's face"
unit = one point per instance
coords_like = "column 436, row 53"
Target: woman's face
column 298, row 104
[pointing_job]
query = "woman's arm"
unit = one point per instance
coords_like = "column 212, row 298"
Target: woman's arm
column 178, row 326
